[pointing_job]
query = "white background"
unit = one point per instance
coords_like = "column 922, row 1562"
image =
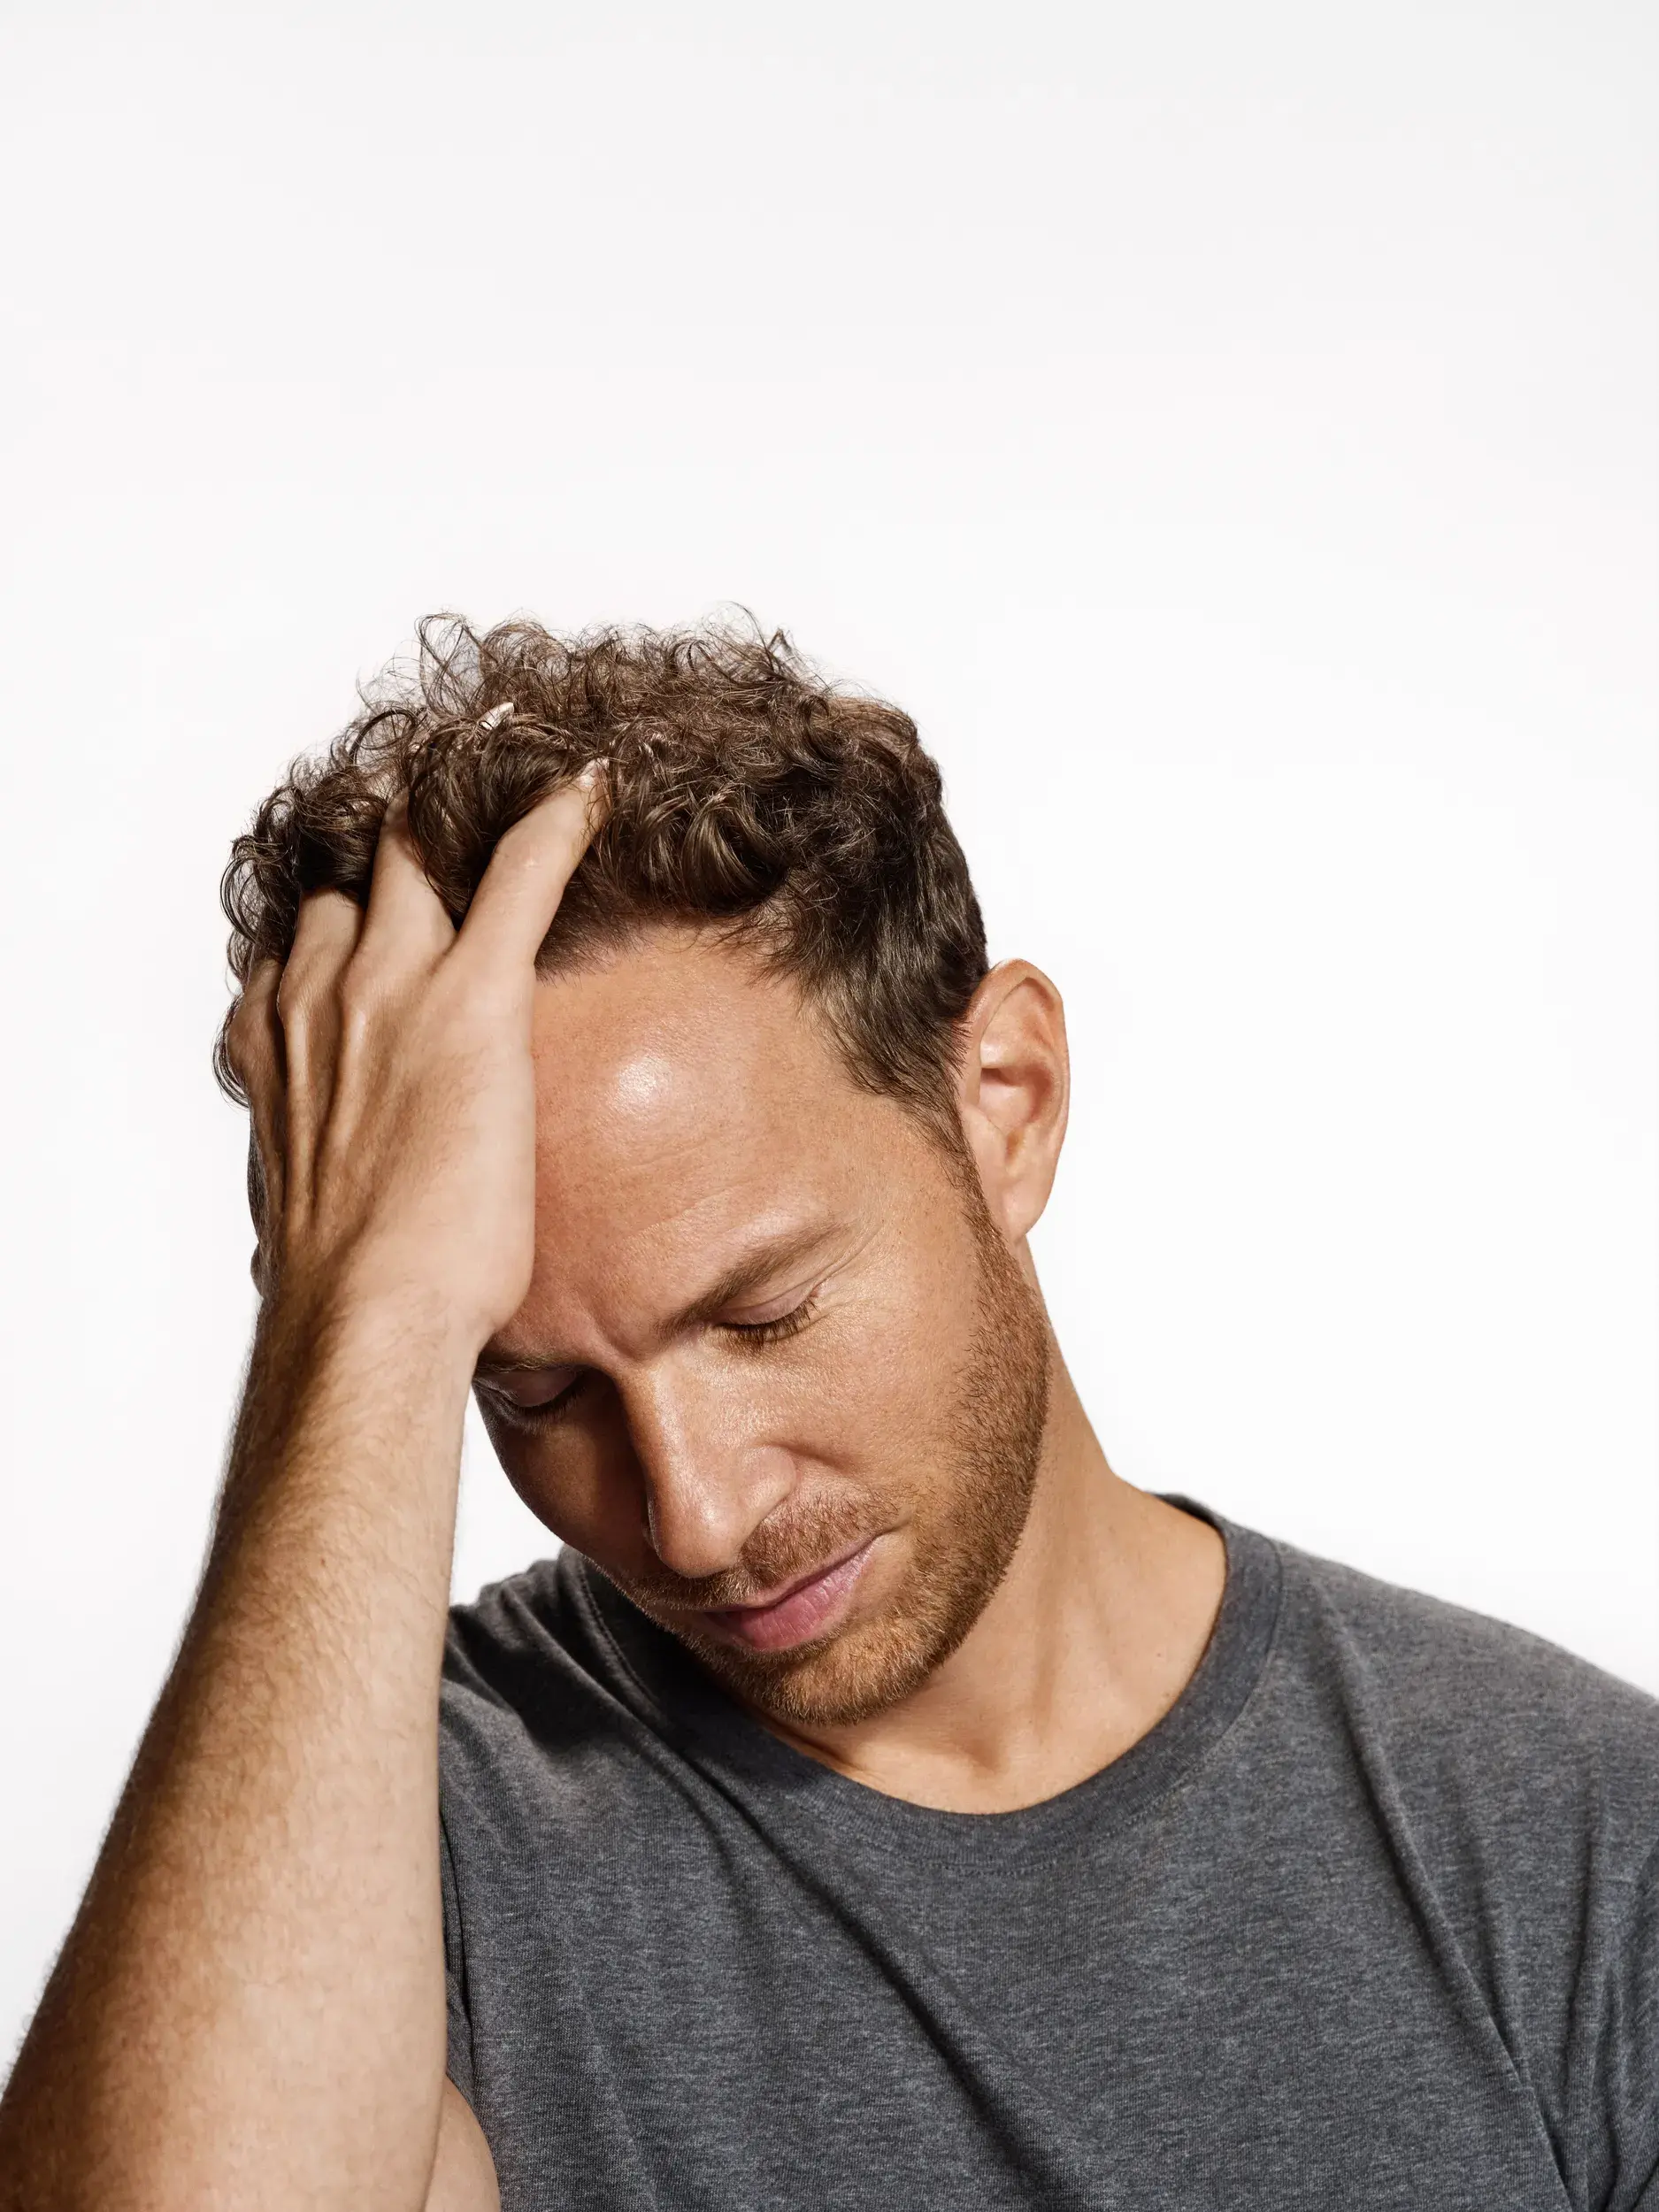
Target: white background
column 1229, row 429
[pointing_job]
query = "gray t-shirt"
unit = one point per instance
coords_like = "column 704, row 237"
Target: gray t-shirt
column 1369, row 1920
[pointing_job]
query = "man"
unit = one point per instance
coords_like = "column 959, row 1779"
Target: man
column 878, row 1802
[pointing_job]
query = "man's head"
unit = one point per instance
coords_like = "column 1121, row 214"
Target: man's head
column 792, row 1135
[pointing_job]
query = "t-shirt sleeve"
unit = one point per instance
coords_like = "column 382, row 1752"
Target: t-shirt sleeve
column 460, row 2024
column 1629, row 2086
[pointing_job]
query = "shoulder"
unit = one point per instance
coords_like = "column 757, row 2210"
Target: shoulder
column 1482, row 1717
column 530, row 1673
column 1445, row 1663
column 1517, row 1789
column 525, row 1614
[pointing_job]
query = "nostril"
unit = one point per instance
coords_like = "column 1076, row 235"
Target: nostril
column 705, row 1486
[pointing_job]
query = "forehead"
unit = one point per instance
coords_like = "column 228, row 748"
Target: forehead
column 677, row 1039
column 685, row 1098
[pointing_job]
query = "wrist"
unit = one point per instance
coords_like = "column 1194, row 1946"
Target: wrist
column 368, row 1304
column 352, row 1397
column 405, row 1337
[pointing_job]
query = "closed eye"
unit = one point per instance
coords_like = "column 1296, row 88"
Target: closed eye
column 528, row 1413
column 775, row 1331
column 533, row 1403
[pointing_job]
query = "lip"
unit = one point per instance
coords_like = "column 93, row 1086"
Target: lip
column 808, row 1608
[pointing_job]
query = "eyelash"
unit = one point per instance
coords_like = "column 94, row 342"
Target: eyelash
column 786, row 1325
column 753, row 1333
column 540, row 1417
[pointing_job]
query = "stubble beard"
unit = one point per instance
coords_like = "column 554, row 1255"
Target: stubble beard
column 988, row 1463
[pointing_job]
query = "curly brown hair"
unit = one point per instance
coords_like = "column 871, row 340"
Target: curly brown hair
column 746, row 792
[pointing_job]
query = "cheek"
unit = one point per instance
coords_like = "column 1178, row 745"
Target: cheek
column 881, row 1395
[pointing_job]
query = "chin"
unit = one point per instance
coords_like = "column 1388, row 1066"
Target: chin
column 855, row 1675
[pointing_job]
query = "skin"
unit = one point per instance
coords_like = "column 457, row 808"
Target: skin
column 693, row 1116
column 620, row 1178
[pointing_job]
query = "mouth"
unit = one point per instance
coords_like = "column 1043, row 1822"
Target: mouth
column 812, row 1607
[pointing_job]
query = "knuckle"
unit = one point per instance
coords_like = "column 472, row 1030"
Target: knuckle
column 362, row 992
column 291, row 994
column 238, row 1047
column 303, row 995
column 247, row 1045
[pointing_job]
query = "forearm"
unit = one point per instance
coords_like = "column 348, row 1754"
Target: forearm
column 250, row 2010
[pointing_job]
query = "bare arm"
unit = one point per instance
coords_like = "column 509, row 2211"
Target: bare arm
column 464, row 2176
column 249, row 2009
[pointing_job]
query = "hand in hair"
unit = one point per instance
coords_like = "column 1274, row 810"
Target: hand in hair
column 387, row 1066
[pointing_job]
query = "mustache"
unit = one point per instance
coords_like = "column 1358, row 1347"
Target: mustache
column 788, row 1548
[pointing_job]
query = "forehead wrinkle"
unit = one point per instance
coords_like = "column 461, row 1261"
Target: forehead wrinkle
column 646, row 1188
column 737, row 1222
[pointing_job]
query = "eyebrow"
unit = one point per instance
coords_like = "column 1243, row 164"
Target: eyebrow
column 749, row 1273
column 489, row 1363
column 740, row 1280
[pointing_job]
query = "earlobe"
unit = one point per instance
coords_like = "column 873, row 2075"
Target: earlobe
column 1014, row 1091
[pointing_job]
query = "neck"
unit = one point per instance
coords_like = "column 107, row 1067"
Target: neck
column 1090, row 1638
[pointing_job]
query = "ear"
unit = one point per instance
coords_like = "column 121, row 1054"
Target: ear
column 1013, row 1089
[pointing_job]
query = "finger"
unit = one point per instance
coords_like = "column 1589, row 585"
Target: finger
column 308, row 1006
column 253, row 1044
column 261, row 1211
column 514, row 906
column 407, row 924
column 330, row 924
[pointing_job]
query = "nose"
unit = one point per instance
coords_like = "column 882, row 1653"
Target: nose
column 709, row 1481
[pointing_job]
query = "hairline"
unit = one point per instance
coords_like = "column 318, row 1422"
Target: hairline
column 611, row 937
